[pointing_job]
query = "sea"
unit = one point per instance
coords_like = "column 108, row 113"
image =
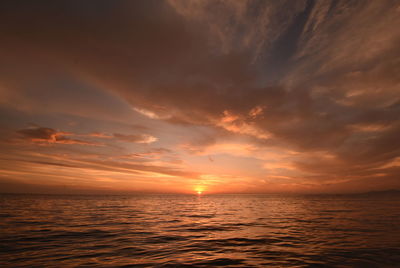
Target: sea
column 199, row 230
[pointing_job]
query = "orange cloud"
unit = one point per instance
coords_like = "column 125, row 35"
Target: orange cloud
column 136, row 138
column 43, row 135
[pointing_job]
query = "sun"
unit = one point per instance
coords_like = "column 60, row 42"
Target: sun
column 199, row 190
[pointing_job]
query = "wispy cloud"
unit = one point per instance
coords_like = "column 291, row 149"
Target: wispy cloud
column 136, row 138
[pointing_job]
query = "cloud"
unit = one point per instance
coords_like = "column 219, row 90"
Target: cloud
column 150, row 114
column 56, row 167
column 136, row 138
column 156, row 153
column 246, row 25
column 42, row 135
column 99, row 135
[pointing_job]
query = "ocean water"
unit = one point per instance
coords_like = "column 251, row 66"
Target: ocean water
column 199, row 231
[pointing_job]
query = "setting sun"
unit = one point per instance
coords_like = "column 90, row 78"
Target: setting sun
column 199, row 190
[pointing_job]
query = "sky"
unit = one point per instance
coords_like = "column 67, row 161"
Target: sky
column 180, row 96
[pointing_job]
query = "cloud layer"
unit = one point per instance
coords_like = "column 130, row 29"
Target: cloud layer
column 288, row 96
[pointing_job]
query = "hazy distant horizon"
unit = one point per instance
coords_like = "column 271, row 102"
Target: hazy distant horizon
column 59, row 190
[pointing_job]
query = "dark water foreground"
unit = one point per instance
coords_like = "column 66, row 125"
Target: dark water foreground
column 173, row 230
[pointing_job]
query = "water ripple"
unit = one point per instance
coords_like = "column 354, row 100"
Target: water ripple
column 188, row 231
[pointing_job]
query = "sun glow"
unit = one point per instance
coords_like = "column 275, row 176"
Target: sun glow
column 199, row 190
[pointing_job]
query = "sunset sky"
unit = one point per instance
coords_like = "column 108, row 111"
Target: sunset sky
column 180, row 96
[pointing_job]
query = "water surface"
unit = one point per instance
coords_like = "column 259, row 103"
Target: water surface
column 192, row 231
